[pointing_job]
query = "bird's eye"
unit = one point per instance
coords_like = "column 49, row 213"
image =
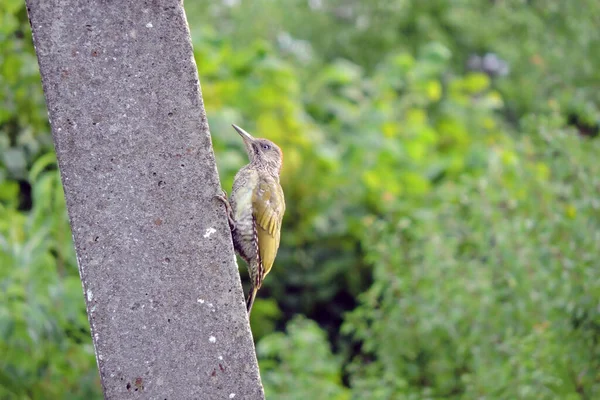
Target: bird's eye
column 266, row 147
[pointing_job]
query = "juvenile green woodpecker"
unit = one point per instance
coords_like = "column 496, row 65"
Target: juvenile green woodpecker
column 255, row 209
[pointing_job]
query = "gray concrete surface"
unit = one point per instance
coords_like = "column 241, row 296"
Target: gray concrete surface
column 163, row 293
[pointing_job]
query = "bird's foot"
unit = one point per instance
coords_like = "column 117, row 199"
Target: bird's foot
column 223, row 198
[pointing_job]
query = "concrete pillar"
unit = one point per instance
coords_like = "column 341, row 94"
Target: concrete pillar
column 163, row 294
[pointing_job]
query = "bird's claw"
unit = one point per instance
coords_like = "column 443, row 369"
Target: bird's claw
column 223, row 198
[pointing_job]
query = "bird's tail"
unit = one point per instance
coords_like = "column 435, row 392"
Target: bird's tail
column 251, row 297
column 256, row 274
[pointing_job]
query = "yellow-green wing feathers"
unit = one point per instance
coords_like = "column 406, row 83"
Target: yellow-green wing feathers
column 268, row 206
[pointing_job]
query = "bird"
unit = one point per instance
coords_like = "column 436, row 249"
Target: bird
column 255, row 209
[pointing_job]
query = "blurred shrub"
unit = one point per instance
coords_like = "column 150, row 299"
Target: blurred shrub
column 24, row 133
column 44, row 333
column 489, row 288
column 548, row 46
column 300, row 365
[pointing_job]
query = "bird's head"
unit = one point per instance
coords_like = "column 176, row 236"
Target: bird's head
column 262, row 152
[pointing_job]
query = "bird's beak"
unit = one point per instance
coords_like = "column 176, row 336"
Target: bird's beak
column 245, row 135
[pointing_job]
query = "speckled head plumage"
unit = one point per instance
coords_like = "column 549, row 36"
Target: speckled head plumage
column 262, row 152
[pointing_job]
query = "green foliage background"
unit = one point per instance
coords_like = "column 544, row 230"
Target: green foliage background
column 443, row 223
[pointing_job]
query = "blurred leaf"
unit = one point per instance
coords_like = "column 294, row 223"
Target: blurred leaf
column 40, row 165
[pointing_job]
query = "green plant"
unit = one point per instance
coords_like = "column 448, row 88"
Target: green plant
column 489, row 289
column 44, row 332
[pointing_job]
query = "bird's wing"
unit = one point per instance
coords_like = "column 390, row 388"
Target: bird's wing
column 268, row 207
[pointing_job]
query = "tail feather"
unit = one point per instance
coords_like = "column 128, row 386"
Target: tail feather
column 251, row 297
column 255, row 269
